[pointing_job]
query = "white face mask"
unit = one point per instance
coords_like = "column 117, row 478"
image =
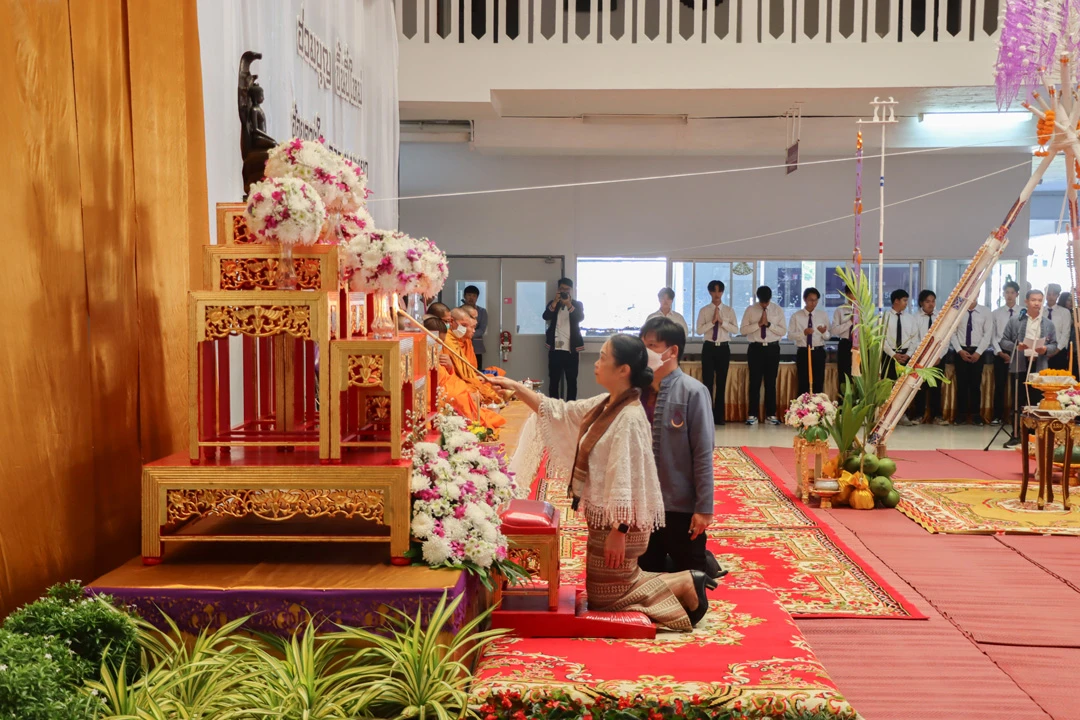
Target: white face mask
column 655, row 359
column 459, row 331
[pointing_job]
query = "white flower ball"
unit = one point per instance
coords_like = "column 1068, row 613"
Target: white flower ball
column 422, row 525
column 436, row 551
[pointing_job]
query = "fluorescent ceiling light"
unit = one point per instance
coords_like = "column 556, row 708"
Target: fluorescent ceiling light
column 974, row 121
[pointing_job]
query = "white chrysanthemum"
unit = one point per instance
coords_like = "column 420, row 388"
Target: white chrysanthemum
column 422, row 525
column 425, row 452
column 480, row 552
column 419, row 482
column 436, row 551
column 475, row 513
column 287, row 211
column 455, row 529
column 487, row 530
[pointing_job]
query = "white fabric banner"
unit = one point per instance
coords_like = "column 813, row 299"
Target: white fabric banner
column 329, row 68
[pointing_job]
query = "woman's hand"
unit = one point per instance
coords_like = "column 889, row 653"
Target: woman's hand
column 503, row 383
column 615, row 549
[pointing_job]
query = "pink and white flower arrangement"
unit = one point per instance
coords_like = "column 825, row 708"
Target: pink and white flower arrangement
column 392, row 262
column 1070, row 400
column 340, row 183
column 355, row 224
column 287, row 211
column 457, row 487
column 809, row 414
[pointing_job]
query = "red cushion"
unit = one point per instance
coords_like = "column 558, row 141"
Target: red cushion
column 530, row 517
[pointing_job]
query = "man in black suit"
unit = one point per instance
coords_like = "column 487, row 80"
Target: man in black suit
column 564, row 315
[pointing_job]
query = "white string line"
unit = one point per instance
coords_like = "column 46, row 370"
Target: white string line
column 674, row 176
column 849, row 216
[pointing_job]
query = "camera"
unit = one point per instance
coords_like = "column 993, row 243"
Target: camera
column 564, row 296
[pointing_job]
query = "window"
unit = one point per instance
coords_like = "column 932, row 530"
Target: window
column 897, row 275
column 531, row 301
column 690, row 281
column 994, row 285
column 788, row 279
column 618, row 293
column 460, row 286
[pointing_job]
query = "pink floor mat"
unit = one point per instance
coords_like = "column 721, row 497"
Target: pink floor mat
column 1039, row 671
column 998, row 464
column 1058, row 554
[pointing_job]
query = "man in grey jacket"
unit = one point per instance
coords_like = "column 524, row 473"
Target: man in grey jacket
column 1018, row 340
column 472, row 294
column 680, row 410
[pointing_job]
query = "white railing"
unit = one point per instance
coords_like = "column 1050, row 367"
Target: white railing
column 694, row 22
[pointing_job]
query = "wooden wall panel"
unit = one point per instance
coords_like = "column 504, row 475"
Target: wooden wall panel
column 46, row 461
column 170, row 195
column 103, row 112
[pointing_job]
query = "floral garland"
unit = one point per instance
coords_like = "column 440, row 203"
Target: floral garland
column 392, row 262
column 340, row 183
column 355, row 224
column 287, row 211
column 457, row 486
column 809, row 414
column 1070, row 400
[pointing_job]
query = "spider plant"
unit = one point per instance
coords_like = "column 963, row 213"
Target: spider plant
column 306, row 676
column 412, row 672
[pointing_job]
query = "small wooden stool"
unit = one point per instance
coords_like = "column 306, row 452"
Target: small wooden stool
column 532, row 529
column 809, row 458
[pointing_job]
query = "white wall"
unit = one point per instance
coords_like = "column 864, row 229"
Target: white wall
column 626, row 218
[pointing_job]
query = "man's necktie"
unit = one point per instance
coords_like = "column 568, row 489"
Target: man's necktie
column 810, row 326
column 1050, row 314
column 763, row 327
column 971, row 315
column 899, row 335
column 715, row 330
column 929, row 322
column 1011, row 312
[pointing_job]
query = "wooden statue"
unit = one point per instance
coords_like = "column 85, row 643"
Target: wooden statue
column 255, row 144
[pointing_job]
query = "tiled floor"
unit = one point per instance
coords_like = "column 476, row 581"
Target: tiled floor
column 919, row 437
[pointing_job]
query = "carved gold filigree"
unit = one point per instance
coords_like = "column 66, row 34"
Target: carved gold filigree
column 432, row 356
column 527, row 557
column 406, row 366
column 365, row 370
column 275, row 504
column 258, row 320
column 377, row 409
column 241, row 234
column 420, row 398
column 264, row 273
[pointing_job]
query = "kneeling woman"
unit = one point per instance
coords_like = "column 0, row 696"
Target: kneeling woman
column 607, row 441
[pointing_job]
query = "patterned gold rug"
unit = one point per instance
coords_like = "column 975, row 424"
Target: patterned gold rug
column 985, row 508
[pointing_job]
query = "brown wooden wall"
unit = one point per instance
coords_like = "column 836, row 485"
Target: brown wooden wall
column 103, row 208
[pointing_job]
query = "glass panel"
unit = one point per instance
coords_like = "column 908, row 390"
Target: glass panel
column 1048, row 262
column 705, row 273
column 530, row 302
column 740, row 293
column 833, row 284
column 1003, row 272
column 460, row 286
column 619, row 294
column 898, row 275
column 682, row 282
column 786, row 280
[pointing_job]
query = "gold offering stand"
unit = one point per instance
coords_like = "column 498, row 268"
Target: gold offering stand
column 282, row 378
column 1052, row 428
column 810, row 456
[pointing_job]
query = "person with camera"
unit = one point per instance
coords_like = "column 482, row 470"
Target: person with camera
column 564, row 316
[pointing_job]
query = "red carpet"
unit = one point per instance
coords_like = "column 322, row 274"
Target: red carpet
column 813, row 572
column 746, row 647
column 903, row 671
column 1057, row 555
column 914, row 465
column 998, row 464
column 1038, row 672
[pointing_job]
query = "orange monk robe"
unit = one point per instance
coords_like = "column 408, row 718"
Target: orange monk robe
column 467, row 373
column 460, row 395
column 470, row 353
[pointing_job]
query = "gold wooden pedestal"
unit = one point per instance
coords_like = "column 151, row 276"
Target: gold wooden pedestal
column 539, row 555
column 809, row 458
column 1050, row 431
column 250, row 500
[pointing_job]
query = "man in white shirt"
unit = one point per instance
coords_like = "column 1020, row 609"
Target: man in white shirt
column 808, row 328
column 901, row 336
column 1062, row 320
column 667, row 297
column 973, row 336
column 924, row 321
column 1011, row 309
column 764, row 325
column 716, row 323
column 841, row 327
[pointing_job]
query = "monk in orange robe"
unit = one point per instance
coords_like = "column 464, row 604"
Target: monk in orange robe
column 462, row 385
